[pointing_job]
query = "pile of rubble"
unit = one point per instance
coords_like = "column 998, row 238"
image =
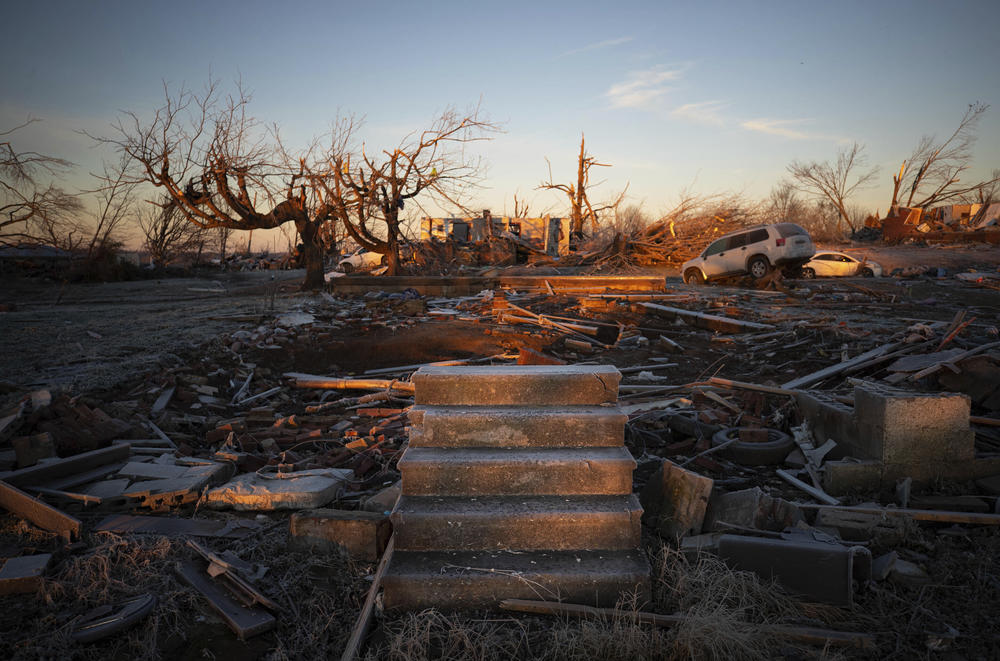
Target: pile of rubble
column 812, row 462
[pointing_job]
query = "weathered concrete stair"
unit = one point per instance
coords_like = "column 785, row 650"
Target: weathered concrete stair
column 516, row 484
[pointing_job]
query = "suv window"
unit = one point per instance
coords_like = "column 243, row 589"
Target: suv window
column 736, row 241
column 716, row 247
column 757, row 236
column 789, row 229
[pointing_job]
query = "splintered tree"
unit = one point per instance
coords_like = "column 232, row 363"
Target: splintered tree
column 33, row 210
column 835, row 182
column 931, row 173
column 219, row 169
column 581, row 210
column 367, row 191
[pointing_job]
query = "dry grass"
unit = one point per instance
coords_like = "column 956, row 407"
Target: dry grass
column 319, row 595
column 724, row 616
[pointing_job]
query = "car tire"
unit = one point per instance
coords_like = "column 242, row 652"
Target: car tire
column 808, row 273
column 769, row 452
column 694, row 277
column 867, row 273
column 758, row 267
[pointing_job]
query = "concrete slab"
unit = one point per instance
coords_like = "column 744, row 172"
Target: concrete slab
column 517, row 385
column 518, row 522
column 308, row 489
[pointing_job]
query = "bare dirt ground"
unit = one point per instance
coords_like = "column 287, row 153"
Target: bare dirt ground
column 121, row 344
column 93, row 336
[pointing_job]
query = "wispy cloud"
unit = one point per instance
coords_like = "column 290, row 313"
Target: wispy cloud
column 641, row 88
column 703, row 112
column 607, row 43
column 787, row 128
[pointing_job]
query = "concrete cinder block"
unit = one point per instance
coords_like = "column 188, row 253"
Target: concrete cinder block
column 675, row 500
column 841, row 477
column 517, row 385
column 363, row 535
column 751, row 508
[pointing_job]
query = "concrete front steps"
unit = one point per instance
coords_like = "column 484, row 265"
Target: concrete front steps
column 515, row 484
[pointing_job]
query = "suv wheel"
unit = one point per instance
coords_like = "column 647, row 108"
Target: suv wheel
column 759, row 267
column 694, row 277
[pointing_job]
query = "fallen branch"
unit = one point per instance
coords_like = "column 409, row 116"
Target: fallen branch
column 809, row 635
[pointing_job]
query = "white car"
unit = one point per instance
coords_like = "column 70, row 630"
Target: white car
column 362, row 260
column 752, row 250
column 832, row 263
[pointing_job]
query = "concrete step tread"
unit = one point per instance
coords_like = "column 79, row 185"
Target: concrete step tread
column 531, row 385
column 519, row 506
column 517, row 456
column 514, row 426
column 430, row 523
column 480, row 579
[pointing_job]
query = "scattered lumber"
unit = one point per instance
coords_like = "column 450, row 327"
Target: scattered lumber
column 334, row 383
column 707, row 321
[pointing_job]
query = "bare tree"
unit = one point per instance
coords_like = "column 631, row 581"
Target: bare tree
column 166, row 232
column 368, row 191
column 835, row 182
column 581, row 210
column 931, row 173
column 219, row 168
column 32, row 210
column 115, row 199
column 783, row 204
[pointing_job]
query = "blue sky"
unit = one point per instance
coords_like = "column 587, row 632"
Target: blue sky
column 714, row 96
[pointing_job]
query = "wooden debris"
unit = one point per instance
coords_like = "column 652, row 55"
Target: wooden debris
column 334, row 383
column 364, row 617
column 35, row 511
column 245, row 622
column 707, row 321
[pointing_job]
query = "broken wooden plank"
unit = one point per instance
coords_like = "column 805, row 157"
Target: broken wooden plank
column 174, row 527
column 951, row 363
column 71, row 496
column 300, row 380
column 161, row 402
column 220, row 567
column 833, row 370
column 742, row 385
column 707, row 321
column 365, row 616
column 245, row 622
column 816, row 493
column 917, row 515
column 38, row 513
column 50, row 470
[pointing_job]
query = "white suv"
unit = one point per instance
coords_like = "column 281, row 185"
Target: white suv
column 751, row 250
